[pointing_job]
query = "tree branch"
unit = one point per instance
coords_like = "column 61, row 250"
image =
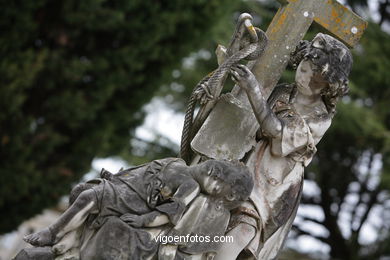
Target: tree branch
column 362, row 191
column 300, row 232
column 305, row 218
column 372, row 201
column 310, row 200
column 383, row 12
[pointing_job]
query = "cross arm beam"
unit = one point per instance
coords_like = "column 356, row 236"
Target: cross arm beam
column 340, row 22
column 290, row 25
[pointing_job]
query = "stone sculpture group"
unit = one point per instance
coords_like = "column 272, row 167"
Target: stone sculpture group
column 252, row 199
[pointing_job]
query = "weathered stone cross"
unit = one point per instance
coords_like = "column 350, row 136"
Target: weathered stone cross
column 290, row 25
column 228, row 132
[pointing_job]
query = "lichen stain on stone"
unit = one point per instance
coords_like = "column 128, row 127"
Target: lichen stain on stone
column 335, row 15
column 280, row 21
column 322, row 23
column 339, row 21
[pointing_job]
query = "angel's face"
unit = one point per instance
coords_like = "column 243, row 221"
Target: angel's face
column 309, row 80
column 303, row 76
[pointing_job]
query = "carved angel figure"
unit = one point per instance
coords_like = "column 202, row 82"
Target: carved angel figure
column 293, row 120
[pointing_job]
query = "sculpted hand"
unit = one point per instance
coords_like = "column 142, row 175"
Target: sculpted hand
column 133, row 220
column 243, row 77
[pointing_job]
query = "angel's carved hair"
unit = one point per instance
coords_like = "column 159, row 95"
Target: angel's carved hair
column 333, row 59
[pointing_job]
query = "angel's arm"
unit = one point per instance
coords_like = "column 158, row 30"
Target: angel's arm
column 267, row 119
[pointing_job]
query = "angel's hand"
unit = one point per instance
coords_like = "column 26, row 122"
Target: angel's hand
column 243, row 77
column 299, row 53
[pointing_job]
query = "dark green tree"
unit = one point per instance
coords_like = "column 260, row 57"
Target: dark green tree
column 74, row 76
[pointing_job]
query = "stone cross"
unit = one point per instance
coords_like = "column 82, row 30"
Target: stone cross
column 229, row 131
column 290, row 25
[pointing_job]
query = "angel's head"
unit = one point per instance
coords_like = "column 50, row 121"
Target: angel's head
column 324, row 69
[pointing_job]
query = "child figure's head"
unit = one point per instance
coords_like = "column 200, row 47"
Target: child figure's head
column 230, row 181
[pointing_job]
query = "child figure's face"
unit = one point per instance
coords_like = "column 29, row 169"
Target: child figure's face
column 210, row 179
column 230, row 184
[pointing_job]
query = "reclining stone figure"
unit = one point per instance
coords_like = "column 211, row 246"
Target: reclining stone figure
column 113, row 217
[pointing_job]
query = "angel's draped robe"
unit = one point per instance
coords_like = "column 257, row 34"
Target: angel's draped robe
column 277, row 166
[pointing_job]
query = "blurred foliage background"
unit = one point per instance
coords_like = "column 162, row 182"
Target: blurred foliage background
column 76, row 75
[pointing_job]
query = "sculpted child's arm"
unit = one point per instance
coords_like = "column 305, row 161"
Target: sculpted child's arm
column 155, row 219
column 177, row 203
column 179, row 185
column 169, row 211
column 187, row 191
column 151, row 219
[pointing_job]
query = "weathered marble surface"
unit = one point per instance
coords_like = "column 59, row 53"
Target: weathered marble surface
column 292, row 121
